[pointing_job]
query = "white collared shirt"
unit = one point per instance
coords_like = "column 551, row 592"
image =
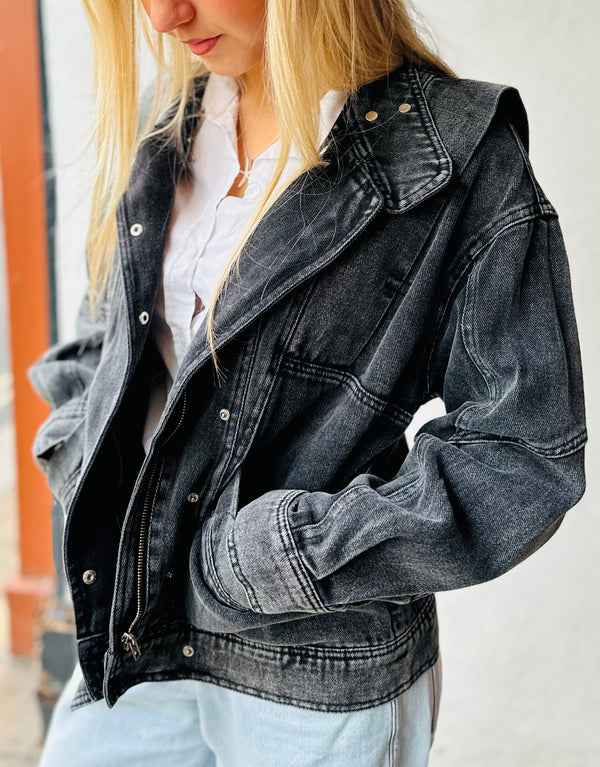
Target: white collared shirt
column 206, row 224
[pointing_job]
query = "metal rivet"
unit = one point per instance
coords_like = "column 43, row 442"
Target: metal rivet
column 170, row 574
column 193, row 497
column 224, row 414
column 144, row 317
column 404, row 108
column 89, row 576
column 371, row 116
column 136, row 230
column 188, row 651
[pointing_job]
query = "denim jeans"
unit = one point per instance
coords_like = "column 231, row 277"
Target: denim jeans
column 186, row 722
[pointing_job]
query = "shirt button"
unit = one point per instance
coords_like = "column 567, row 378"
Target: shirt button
column 370, row 116
column 404, row 108
column 252, row 192
column 89, row 576
column 188, row 651
column 224, row 414
column 193, row 497
column 144, row 317
column 136, row 230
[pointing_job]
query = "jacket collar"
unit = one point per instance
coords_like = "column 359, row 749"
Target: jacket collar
column 399, row 143
column 393, row 161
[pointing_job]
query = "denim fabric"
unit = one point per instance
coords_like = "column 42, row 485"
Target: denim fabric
column 278, row 526
column 187, row 723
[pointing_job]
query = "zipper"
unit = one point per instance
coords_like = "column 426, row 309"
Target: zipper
column 128, row 638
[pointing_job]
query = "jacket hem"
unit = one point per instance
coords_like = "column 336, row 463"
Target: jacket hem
column 319, row 678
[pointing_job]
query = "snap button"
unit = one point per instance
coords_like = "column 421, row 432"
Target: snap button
column 188, row 651
column 252, row 192
column 144, row 317
column 89, row 576
column 170, row 574
column 136, row 230
column 224, row 414
column 193, row 497
column 371, row 116
column 404, row 108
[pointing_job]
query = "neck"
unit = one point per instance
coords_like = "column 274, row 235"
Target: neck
column 257, row 116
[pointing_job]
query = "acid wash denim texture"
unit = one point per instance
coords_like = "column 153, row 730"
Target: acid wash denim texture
column 278, row 538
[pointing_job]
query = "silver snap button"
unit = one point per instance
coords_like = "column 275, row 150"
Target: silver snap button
column 144, row 317
column 404, row 108
column 193, row 497
column 89, row 576
column 188, row 651
column 136, row 230
column 224, row 414
column 370, row 116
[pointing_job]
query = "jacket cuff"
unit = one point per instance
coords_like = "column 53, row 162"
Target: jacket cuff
column 263, row 557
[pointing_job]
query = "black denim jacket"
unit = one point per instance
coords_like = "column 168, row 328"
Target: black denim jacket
column 279, row 538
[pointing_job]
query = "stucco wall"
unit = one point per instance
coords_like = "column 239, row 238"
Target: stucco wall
column 521, row 679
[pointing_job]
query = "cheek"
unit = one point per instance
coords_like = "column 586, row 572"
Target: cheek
column 247, row 15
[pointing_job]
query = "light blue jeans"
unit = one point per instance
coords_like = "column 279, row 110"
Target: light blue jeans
column 189, row 723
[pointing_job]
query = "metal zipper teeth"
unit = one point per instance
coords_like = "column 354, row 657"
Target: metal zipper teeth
column 128, row 639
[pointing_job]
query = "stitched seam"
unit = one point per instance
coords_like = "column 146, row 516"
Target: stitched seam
column 296, row 562
column 309, row 652
column 317, row 371
column 218, row 584
column 407, row 490
column 239, row 574
column 244, row 397
column 229, row 684
column 469, row 264
column 149, row 535
column 568, row 448
column 543, row 204
column 467, row 325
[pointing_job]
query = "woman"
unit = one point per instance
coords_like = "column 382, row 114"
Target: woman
column 341, row 229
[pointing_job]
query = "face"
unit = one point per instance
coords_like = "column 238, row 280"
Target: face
column 239, row 25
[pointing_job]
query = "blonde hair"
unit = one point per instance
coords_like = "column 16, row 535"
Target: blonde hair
column 352, row 42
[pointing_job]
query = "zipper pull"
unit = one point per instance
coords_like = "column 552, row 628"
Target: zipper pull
column 130, row 644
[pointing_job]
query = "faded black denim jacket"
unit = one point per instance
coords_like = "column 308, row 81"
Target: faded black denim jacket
column 279, row 538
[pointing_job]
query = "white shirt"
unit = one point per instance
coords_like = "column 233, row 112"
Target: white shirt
column 206, row 224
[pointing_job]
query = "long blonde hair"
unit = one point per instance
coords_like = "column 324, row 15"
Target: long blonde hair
column 352, row 42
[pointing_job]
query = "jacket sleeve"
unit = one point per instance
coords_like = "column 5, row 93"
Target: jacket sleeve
column 62, row 377
column 63, row 374
column 483, row 487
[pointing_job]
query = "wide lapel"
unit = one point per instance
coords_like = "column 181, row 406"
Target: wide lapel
column 381, row 156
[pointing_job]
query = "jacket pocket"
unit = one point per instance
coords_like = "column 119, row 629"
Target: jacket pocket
column 218, row 564
column 58, row 449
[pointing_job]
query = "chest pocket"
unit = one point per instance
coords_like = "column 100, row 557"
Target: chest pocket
column 341, row 313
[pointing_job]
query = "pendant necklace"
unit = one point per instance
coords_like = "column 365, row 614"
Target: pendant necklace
column 249, row 161
column 246, row 172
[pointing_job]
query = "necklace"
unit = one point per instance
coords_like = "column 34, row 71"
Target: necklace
column 246, row 172
column 248, row 160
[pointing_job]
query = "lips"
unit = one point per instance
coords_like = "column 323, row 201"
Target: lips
column 202, row 46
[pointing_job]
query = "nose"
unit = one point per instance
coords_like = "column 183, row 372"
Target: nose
column 167, row 15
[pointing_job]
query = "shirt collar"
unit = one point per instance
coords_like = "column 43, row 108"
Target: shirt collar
column 220, row 106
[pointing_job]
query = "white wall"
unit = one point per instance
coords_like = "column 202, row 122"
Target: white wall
column 521, row 679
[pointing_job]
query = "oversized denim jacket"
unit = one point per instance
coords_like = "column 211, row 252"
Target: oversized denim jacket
column 279, row 538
